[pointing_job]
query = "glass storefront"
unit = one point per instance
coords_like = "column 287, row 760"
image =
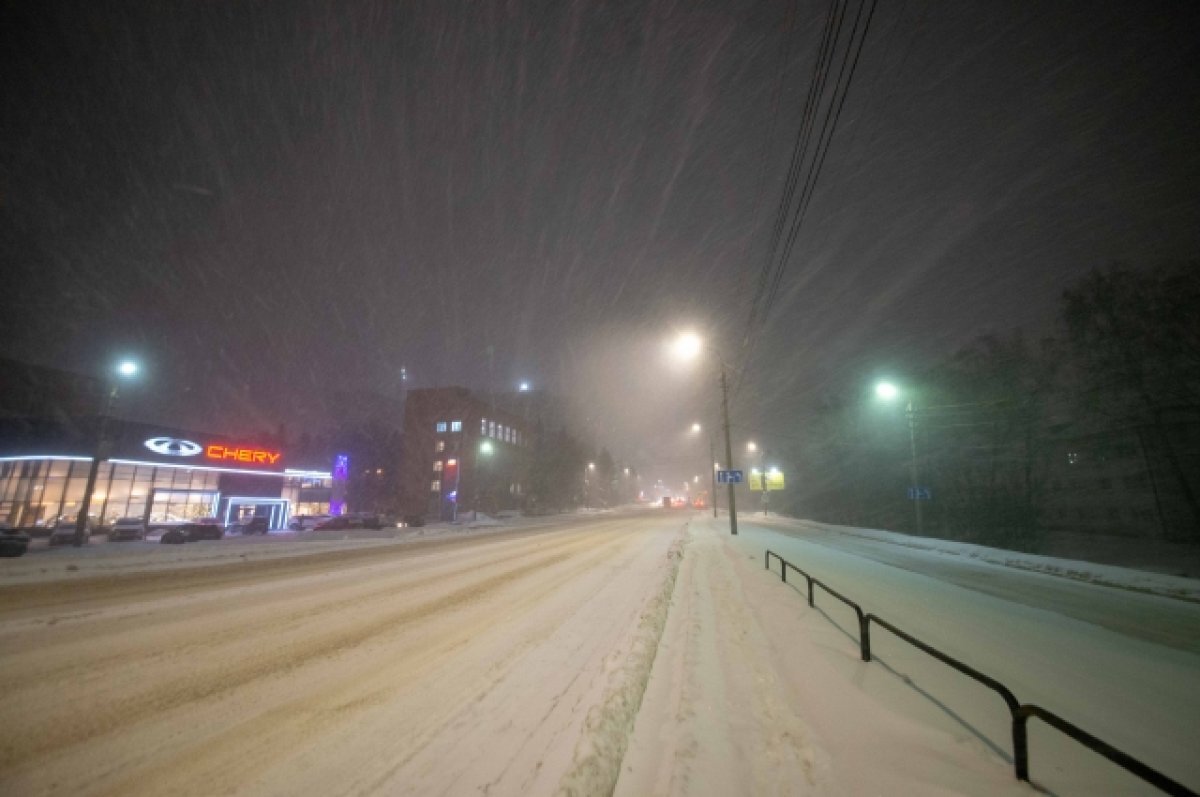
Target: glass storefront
column 37, row 492
column 308, row 495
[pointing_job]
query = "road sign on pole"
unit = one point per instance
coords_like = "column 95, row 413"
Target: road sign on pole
column 920, row 494
column 730, row 476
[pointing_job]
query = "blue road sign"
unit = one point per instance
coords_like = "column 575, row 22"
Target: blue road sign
column 920, row 494
column 730, row 476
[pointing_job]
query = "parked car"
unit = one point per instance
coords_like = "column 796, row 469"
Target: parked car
column 340, row 522
column 248, row 526
column 370, row 521
column 64, row 532
column 191, row 532
column 13, row 542
column 414, row 520
column 127, row 528
column 307, row 522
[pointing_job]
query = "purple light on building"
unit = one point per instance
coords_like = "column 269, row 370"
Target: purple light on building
column 341, row 473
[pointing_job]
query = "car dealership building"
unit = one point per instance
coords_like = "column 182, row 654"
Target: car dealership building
column 154, row 472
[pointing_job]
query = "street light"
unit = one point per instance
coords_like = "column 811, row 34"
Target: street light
column 688, row 346
column 126, row 369
column 889, row 392
column 485, row 450
column 696, row 429
column 753, row 447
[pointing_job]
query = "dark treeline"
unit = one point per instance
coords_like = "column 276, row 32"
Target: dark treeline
column 1096, row 429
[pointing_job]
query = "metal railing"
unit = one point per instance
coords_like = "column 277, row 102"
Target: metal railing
column 1018, row 712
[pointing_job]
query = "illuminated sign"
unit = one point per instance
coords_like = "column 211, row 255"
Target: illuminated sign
column 253, row 456
column 172, row 446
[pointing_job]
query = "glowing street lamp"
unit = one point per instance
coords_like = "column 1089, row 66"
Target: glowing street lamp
column 591, row 467
column 126, row 369
column 887, row 391
column 696, row 429
column 688, row 346
column 523, row 387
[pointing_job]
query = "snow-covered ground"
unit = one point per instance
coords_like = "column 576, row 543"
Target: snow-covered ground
column 569, row 655
column 1076, row 568
column 1136, row 686
column 102, row 558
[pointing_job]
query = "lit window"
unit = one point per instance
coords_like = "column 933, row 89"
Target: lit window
column 483, row 426
column 450, row 463
column 456, row 426
column 435, row 486
column 437, row 466
column 441, row 426
column 491, row 428
column 441, row 446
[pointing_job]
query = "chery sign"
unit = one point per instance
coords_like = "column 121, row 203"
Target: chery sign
column 255, row 456
column 219, row 452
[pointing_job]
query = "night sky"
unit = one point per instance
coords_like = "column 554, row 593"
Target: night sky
column 274, row 202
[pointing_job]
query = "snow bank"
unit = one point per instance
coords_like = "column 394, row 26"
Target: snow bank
column 1184, row 588
column 597, row 762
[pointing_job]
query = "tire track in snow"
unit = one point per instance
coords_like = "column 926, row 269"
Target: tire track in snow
column 609, row 725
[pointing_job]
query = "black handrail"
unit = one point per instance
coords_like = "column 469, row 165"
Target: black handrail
column 1018, row 712
column 864, row 638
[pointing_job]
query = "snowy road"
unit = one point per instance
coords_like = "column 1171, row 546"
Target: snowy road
column 443, row 669
column 639, row 652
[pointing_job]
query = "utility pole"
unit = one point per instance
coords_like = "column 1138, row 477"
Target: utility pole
column 766, row 488
column 94, row 470
column 728, row 449
column 912, row 450
column 712, row 471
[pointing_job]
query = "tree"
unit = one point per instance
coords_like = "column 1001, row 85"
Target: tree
column 985, row 430
column 556, row 474
column 1134, row 337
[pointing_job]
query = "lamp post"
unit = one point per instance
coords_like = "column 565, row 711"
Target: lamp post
column 591, row 466
column 889, row 392
column 484, row 453
column 752, row 448
column 688, row 347
column 696, row 429
column 126, row 369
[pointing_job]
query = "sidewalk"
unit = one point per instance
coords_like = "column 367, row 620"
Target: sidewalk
column 753, row 693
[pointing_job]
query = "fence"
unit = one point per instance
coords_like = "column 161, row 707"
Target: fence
column 1020, row 713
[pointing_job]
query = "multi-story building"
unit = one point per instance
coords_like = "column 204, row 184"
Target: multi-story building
column 463, row 453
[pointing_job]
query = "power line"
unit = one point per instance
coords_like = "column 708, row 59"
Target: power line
column 791, row 212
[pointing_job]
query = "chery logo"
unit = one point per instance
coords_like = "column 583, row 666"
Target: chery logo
column 252, row 455
column 173, row 446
